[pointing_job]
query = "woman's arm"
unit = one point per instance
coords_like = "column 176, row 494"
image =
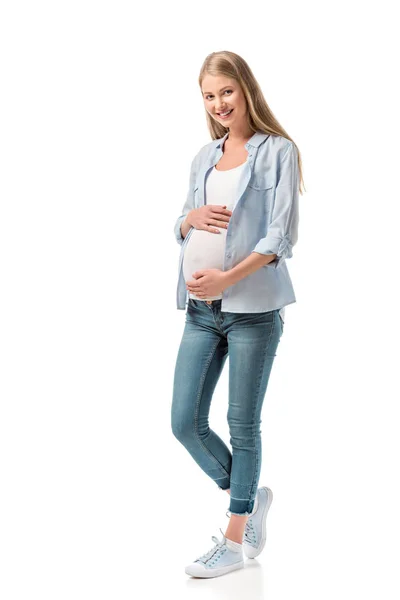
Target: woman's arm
column 283, row 229
column 247, row 266
column 181, row 232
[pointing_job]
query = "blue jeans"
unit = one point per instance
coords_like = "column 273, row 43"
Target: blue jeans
column 251, row 340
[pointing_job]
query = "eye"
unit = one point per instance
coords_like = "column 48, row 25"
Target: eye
column 208, row 95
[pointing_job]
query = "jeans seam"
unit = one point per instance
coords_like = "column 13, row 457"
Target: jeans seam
column 234, row 498
column 202, row 379
column 257, row 399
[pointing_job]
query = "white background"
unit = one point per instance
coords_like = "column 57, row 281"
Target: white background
column 101, row 115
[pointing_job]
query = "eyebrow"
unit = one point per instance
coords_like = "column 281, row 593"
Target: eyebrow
column 227, row 86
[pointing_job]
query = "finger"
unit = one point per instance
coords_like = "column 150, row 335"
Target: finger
column 194, row 283
column 220, row 216
column 220, row 209
column 196, row 292
column 219, row 224
column 212, row 229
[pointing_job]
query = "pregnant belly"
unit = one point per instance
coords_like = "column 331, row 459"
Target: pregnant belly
column 204, row 250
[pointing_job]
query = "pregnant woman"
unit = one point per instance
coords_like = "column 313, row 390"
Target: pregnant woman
column 238, row 226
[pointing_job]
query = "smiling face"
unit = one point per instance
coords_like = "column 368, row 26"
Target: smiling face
column 222, row 94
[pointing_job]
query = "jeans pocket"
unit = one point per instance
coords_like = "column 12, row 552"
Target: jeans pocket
column 193, row 304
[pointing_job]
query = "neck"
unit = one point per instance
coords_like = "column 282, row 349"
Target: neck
column 239, row 136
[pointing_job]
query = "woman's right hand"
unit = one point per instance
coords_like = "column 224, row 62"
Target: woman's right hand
column 208, row 217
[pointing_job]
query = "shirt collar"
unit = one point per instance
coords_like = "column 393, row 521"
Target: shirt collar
column 254, row 141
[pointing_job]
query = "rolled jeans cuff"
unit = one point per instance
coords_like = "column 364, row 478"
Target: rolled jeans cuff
column 241, row 507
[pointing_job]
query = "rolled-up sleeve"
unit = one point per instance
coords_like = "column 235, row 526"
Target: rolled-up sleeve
column 283, row 227
column 189, row 203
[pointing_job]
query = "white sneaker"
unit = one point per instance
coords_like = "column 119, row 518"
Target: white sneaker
column 224, row 557
column 255, row 533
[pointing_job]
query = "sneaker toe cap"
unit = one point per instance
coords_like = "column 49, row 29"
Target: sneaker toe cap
column 195, row 569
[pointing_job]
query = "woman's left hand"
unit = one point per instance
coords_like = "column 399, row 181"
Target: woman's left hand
column 207, row 282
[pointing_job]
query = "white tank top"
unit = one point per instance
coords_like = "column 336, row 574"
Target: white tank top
column 205, row 249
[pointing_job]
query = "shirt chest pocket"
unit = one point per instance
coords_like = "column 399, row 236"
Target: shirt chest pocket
column 260, row 198
column 261, row 183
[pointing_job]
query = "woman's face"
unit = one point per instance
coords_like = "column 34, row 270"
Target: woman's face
column 221, row 94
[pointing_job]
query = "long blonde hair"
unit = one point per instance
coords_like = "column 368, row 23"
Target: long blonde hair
column 259, row 115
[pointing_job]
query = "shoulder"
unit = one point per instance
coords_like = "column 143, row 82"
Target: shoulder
column 207, row 148
column 277, row 149
column 204, row 152
column 279, row 144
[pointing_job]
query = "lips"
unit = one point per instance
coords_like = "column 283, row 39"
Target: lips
column 222, row 116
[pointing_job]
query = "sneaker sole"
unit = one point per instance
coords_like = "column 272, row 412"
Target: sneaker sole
column 257, row 552
column 207, row 573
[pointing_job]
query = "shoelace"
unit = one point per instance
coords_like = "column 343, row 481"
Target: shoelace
column 215, row 551
column 249, row 532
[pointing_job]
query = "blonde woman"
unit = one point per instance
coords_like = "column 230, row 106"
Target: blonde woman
column 237, row 228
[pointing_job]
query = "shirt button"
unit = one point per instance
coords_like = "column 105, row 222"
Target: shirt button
column 229, row 255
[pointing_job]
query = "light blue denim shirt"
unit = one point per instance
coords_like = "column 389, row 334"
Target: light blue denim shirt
column 265, row 220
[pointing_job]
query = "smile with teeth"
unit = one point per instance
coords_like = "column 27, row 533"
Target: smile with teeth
column 225, row 114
